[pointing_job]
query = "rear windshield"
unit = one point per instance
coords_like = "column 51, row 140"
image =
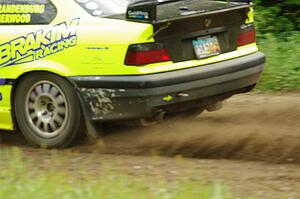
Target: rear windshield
column 104, row 8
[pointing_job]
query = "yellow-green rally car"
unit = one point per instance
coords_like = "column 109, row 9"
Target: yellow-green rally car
column 68, row 64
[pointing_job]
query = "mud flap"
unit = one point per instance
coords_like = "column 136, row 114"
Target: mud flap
column 92, row 133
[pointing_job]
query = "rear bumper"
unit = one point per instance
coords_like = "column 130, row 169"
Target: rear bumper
column 111, row 98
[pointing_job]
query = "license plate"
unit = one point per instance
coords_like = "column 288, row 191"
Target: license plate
column 206, row 46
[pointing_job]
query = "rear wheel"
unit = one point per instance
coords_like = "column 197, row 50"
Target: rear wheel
column 47, row 111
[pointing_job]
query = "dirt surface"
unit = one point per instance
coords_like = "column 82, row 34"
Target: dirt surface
column 252, row 145
column 251, row 127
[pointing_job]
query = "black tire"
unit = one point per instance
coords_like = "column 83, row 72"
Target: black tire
column 47, row 111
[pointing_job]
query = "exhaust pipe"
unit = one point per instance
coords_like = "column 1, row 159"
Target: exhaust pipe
column 214, row 107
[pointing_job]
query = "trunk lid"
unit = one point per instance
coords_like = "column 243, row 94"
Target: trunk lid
column 177, row 24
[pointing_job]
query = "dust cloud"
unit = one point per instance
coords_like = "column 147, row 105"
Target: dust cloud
column 249, row 127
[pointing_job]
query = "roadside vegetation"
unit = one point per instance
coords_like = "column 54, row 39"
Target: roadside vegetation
column 27, row 179
column 282, row 72
column 278, row 33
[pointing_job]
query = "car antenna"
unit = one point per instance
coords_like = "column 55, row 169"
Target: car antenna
column 167, row 25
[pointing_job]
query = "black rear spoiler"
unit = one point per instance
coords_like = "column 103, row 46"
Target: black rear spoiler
column 244, row 1
column 146, row 10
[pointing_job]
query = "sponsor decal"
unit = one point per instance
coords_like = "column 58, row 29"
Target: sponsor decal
column 20, row 12
column 138, row 15
column 39, row 44
column 168, row 98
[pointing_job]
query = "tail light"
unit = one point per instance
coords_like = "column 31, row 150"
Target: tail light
column 247, row 35
column 143, row 54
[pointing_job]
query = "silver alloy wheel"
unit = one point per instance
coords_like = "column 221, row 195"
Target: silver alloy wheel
column 46, row 109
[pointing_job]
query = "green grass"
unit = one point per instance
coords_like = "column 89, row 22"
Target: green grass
column 23, row 179
column 282, row 72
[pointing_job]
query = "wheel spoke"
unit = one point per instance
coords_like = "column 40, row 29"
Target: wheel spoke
column 38, row 123
column 46, row 127
column 61, row 110
column 59, row 119
column 31, row 106
column 33, row 115
column 60, row 100
column 53, row 125
column 38, row 89
column 32, row 96
column 53, row 91
column 46, row 88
